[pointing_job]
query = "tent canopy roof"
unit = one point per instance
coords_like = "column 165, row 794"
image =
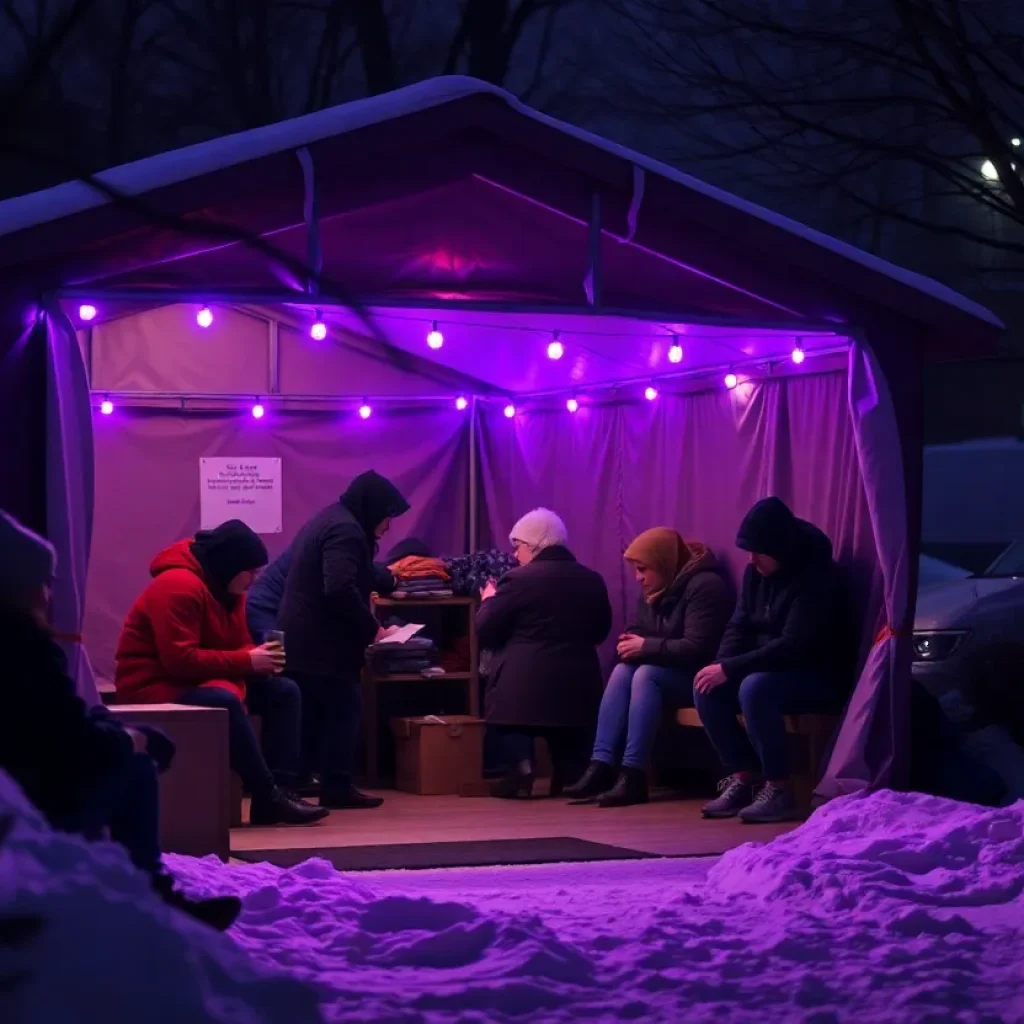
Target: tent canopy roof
column 451, row 200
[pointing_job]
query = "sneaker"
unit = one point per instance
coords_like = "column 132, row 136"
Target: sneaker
column 597, row 779
column 279, row 807
column 734, row 793
column 772, row 804
column 220, row 912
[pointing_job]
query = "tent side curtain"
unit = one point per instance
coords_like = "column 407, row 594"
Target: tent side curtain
column 148, row 494
column 696, row 463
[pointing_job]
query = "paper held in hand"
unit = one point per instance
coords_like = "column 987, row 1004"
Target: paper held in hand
column 402, row 634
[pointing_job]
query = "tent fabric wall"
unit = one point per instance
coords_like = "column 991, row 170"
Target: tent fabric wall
column 695, row 462
column 147, row 486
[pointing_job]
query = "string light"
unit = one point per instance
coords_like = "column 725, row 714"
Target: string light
column 675, row 353
column 556, row 349
column 461, row 403
column 258, row 411
column 106, row 407
column 435, row 339
column 205, row 318
column 510, row 411
column 731, row 380
column 365, row 412
column 319, row 329
column 651, row 394
column 572, row 405
column 87, row 312
column 798, row 355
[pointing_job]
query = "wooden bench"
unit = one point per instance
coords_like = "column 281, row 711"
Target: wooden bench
column 194, row 793
column 812, row 734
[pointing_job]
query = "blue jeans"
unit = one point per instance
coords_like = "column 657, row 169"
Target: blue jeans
column 278, row 702
column 763, row 698
column 632, row 707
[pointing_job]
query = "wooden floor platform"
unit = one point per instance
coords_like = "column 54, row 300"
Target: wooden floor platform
column 666, row 826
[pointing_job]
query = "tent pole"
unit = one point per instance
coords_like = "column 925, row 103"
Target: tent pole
column 474, row 538
column 273, row 354
column 594, row 245
column 431, row 305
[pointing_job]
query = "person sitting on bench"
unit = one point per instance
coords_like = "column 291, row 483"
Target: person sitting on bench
column 785, row 650
column 185, row 641
column 82, row 769
column 684, row 605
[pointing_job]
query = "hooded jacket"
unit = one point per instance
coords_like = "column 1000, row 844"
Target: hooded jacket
column 795, row 619
column 179, row 635
column 325, row 611
column 683, row 626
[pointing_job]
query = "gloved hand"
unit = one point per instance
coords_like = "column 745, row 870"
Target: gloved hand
column 159, row 746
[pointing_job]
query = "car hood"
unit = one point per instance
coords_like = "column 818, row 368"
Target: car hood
column 956, row 603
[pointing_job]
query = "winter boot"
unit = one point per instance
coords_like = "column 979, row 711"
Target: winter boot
column 343, row 796
column 597, row 779
column 630, row 788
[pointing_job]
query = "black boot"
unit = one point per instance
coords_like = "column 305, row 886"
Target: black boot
column 220, row 912
column 513, row 785
column 279, row 807
column 630, row 788
column 343, row 796
column 597, row 779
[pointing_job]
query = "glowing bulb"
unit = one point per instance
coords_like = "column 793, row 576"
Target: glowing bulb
column 258, row 411
column 651, row 394
column 556, row 350
column 731, row 380
column 675, row 353
column 87, row 312
column 572, row 405
column 319, row 329
column 1015, row 141
column 106, row 407
column 510, row 411
column 799, row 355
column 365, row 412
column 205, row 317
column 435, row 339
column 461, row 403
column 989, row 172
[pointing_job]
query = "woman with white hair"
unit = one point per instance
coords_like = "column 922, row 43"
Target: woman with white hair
column 544, row 621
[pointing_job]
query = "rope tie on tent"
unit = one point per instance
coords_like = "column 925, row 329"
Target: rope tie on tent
column 68, row 638
column 887, row 633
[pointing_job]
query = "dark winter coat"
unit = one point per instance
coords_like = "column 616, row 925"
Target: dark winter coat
column 325, row 612
column 544, row 625
column 683, row 627
column 797, row 618
column 51, row 744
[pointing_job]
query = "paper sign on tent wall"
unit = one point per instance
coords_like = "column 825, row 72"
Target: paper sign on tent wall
column 246, row 489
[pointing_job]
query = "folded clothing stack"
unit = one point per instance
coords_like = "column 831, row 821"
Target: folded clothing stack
column 417, row 576
column 417, row 654
column 470, row 573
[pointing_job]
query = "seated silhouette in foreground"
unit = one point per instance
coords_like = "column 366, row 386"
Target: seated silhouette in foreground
column 684, row 606
column 544, row 621
column 785, row 650
column 185, row 641
column 83, row 770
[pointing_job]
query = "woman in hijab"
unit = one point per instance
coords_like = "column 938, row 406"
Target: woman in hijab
column 544, row 621
column 185, row 641
column 325, row 613
column 683, row 609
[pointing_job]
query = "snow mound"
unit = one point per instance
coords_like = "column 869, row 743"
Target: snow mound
column 109, row 950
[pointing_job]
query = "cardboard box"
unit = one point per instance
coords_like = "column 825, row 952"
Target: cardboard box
column 437, row 756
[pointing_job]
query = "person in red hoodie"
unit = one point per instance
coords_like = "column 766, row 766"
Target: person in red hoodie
column 185, row 641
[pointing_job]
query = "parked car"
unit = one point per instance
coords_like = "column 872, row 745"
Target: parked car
column 958, row 621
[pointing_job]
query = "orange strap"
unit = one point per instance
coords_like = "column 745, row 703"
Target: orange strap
column 886, row 633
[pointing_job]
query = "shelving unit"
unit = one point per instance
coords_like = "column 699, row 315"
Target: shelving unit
column 451, row 609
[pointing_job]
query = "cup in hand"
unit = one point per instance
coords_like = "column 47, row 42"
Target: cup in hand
column 274, row 636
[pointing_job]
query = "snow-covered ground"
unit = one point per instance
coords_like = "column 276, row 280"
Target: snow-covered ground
column 883, row 908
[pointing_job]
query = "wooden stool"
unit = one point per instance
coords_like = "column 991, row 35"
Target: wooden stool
column 812, row 734
column 194, row 791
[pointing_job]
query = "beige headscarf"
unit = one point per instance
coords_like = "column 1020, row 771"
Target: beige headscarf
column 663, row 550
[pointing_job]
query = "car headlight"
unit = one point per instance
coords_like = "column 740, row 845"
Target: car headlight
column 937, row 646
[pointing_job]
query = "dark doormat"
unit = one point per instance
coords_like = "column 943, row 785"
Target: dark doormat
column 477, row 854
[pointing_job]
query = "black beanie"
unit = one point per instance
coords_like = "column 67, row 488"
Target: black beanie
column 769, row 528
column 226, row 551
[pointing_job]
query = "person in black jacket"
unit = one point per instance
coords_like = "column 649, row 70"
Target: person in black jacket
column 82, row 769
column 684, row 606
column 325, row 614
column 544, row 621
column 787, row 649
